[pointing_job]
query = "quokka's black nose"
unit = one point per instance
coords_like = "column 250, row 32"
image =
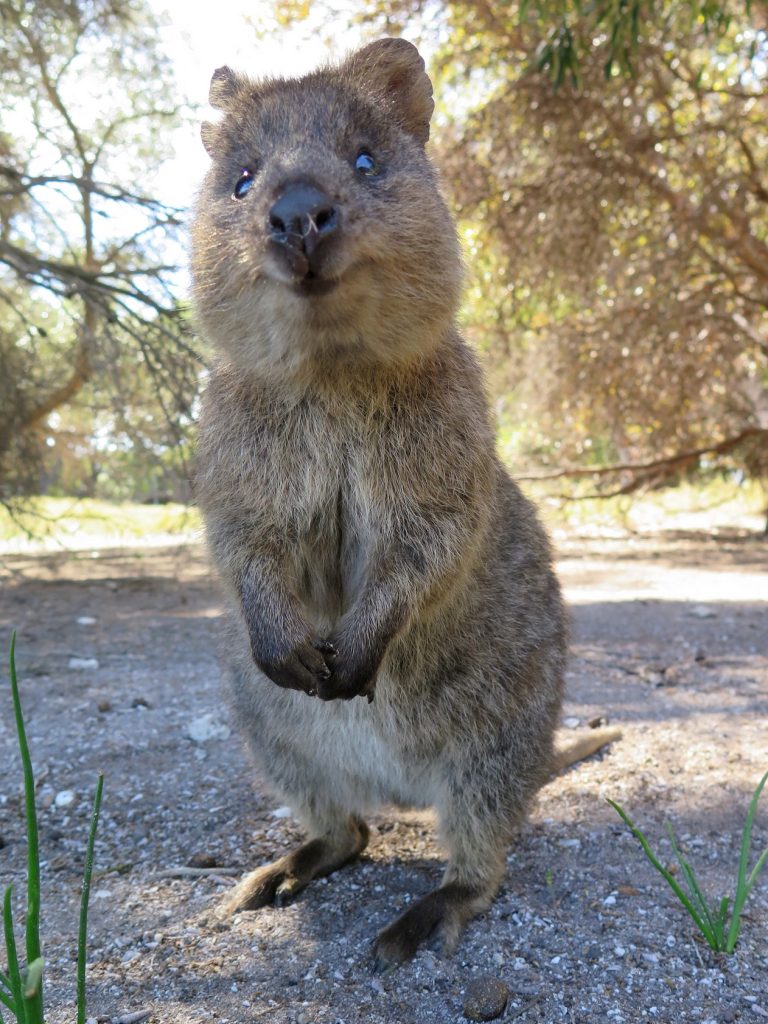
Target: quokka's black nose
column 303, row 217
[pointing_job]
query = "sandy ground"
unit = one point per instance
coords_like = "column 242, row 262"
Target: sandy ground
column 118, row 667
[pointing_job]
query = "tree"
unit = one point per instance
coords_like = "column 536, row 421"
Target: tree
column 623, row 229
column 88, row 310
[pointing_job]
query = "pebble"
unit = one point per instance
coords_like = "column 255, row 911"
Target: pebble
column 701, row 611
column 86, row 620
column 207, row 727
column 203, row 860
column 485, row 998
column 83, row 663
column 281, row 812
column 65, row 798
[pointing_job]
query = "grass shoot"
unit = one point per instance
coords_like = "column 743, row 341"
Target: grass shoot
column 718, row 922
column 21, row 989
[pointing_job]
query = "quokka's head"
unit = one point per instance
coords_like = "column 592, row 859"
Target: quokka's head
column 320, row 233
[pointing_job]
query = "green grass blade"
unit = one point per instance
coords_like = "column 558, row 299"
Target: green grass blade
column 720, row 922
column 742, row 884
column 81, row 942
column 33, row 856
column 668, row 877
column 8, row 1002
column 14, row 974
column 693, row 885
column 757, row 869
column 5, row 980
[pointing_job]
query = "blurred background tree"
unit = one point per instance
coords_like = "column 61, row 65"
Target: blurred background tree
column 606, row 161
column 96, row 367
column 627, row 216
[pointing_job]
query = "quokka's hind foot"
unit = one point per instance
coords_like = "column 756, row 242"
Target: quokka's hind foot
column 444, row 911
column 279, row 882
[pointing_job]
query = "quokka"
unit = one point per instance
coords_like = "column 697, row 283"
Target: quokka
column 396, row 633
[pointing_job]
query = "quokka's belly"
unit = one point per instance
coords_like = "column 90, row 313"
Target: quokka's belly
column 346, row 750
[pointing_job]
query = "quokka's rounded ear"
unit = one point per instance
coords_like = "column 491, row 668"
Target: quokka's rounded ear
column 394, row 68
column 224, row 86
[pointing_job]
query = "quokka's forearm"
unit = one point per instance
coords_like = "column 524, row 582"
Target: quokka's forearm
column 284, row 645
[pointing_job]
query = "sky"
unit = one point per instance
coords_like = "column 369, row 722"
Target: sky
column 202, row 37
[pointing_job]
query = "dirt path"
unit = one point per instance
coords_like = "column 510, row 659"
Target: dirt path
column 116, row 654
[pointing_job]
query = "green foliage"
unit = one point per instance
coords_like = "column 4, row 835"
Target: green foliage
column 720, row 929
column 21, row 990
column 575, row 31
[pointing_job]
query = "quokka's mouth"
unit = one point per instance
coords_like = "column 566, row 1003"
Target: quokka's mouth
column 311, row 285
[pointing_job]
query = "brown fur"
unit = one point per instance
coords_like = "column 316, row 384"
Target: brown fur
column 371, row 541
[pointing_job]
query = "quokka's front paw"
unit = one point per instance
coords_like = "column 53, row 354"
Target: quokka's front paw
column 305, row 667
column 347, row 681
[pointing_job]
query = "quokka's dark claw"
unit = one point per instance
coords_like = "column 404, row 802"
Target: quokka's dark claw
column 326, row 648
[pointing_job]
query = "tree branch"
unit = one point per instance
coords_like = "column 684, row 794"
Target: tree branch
column 670, row 462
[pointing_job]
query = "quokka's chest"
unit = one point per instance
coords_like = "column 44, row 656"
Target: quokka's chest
column 316, row 493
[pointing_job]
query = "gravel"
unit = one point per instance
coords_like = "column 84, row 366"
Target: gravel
column 583, row 930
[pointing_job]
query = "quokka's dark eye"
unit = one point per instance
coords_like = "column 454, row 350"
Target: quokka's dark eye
column 243, row 184
column 365, row 164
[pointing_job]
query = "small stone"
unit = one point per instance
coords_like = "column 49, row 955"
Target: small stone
column 65, row 798
column 207, row 727
column 571, row 723
column 485, row 998
column 86, row 620
column 675, row 674
column 281, row 812
column 104, row 706
column 701, row 611
column 203, row 860
column 83, row 664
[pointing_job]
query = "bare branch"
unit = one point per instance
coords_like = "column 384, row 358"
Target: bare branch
column 669, row 462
